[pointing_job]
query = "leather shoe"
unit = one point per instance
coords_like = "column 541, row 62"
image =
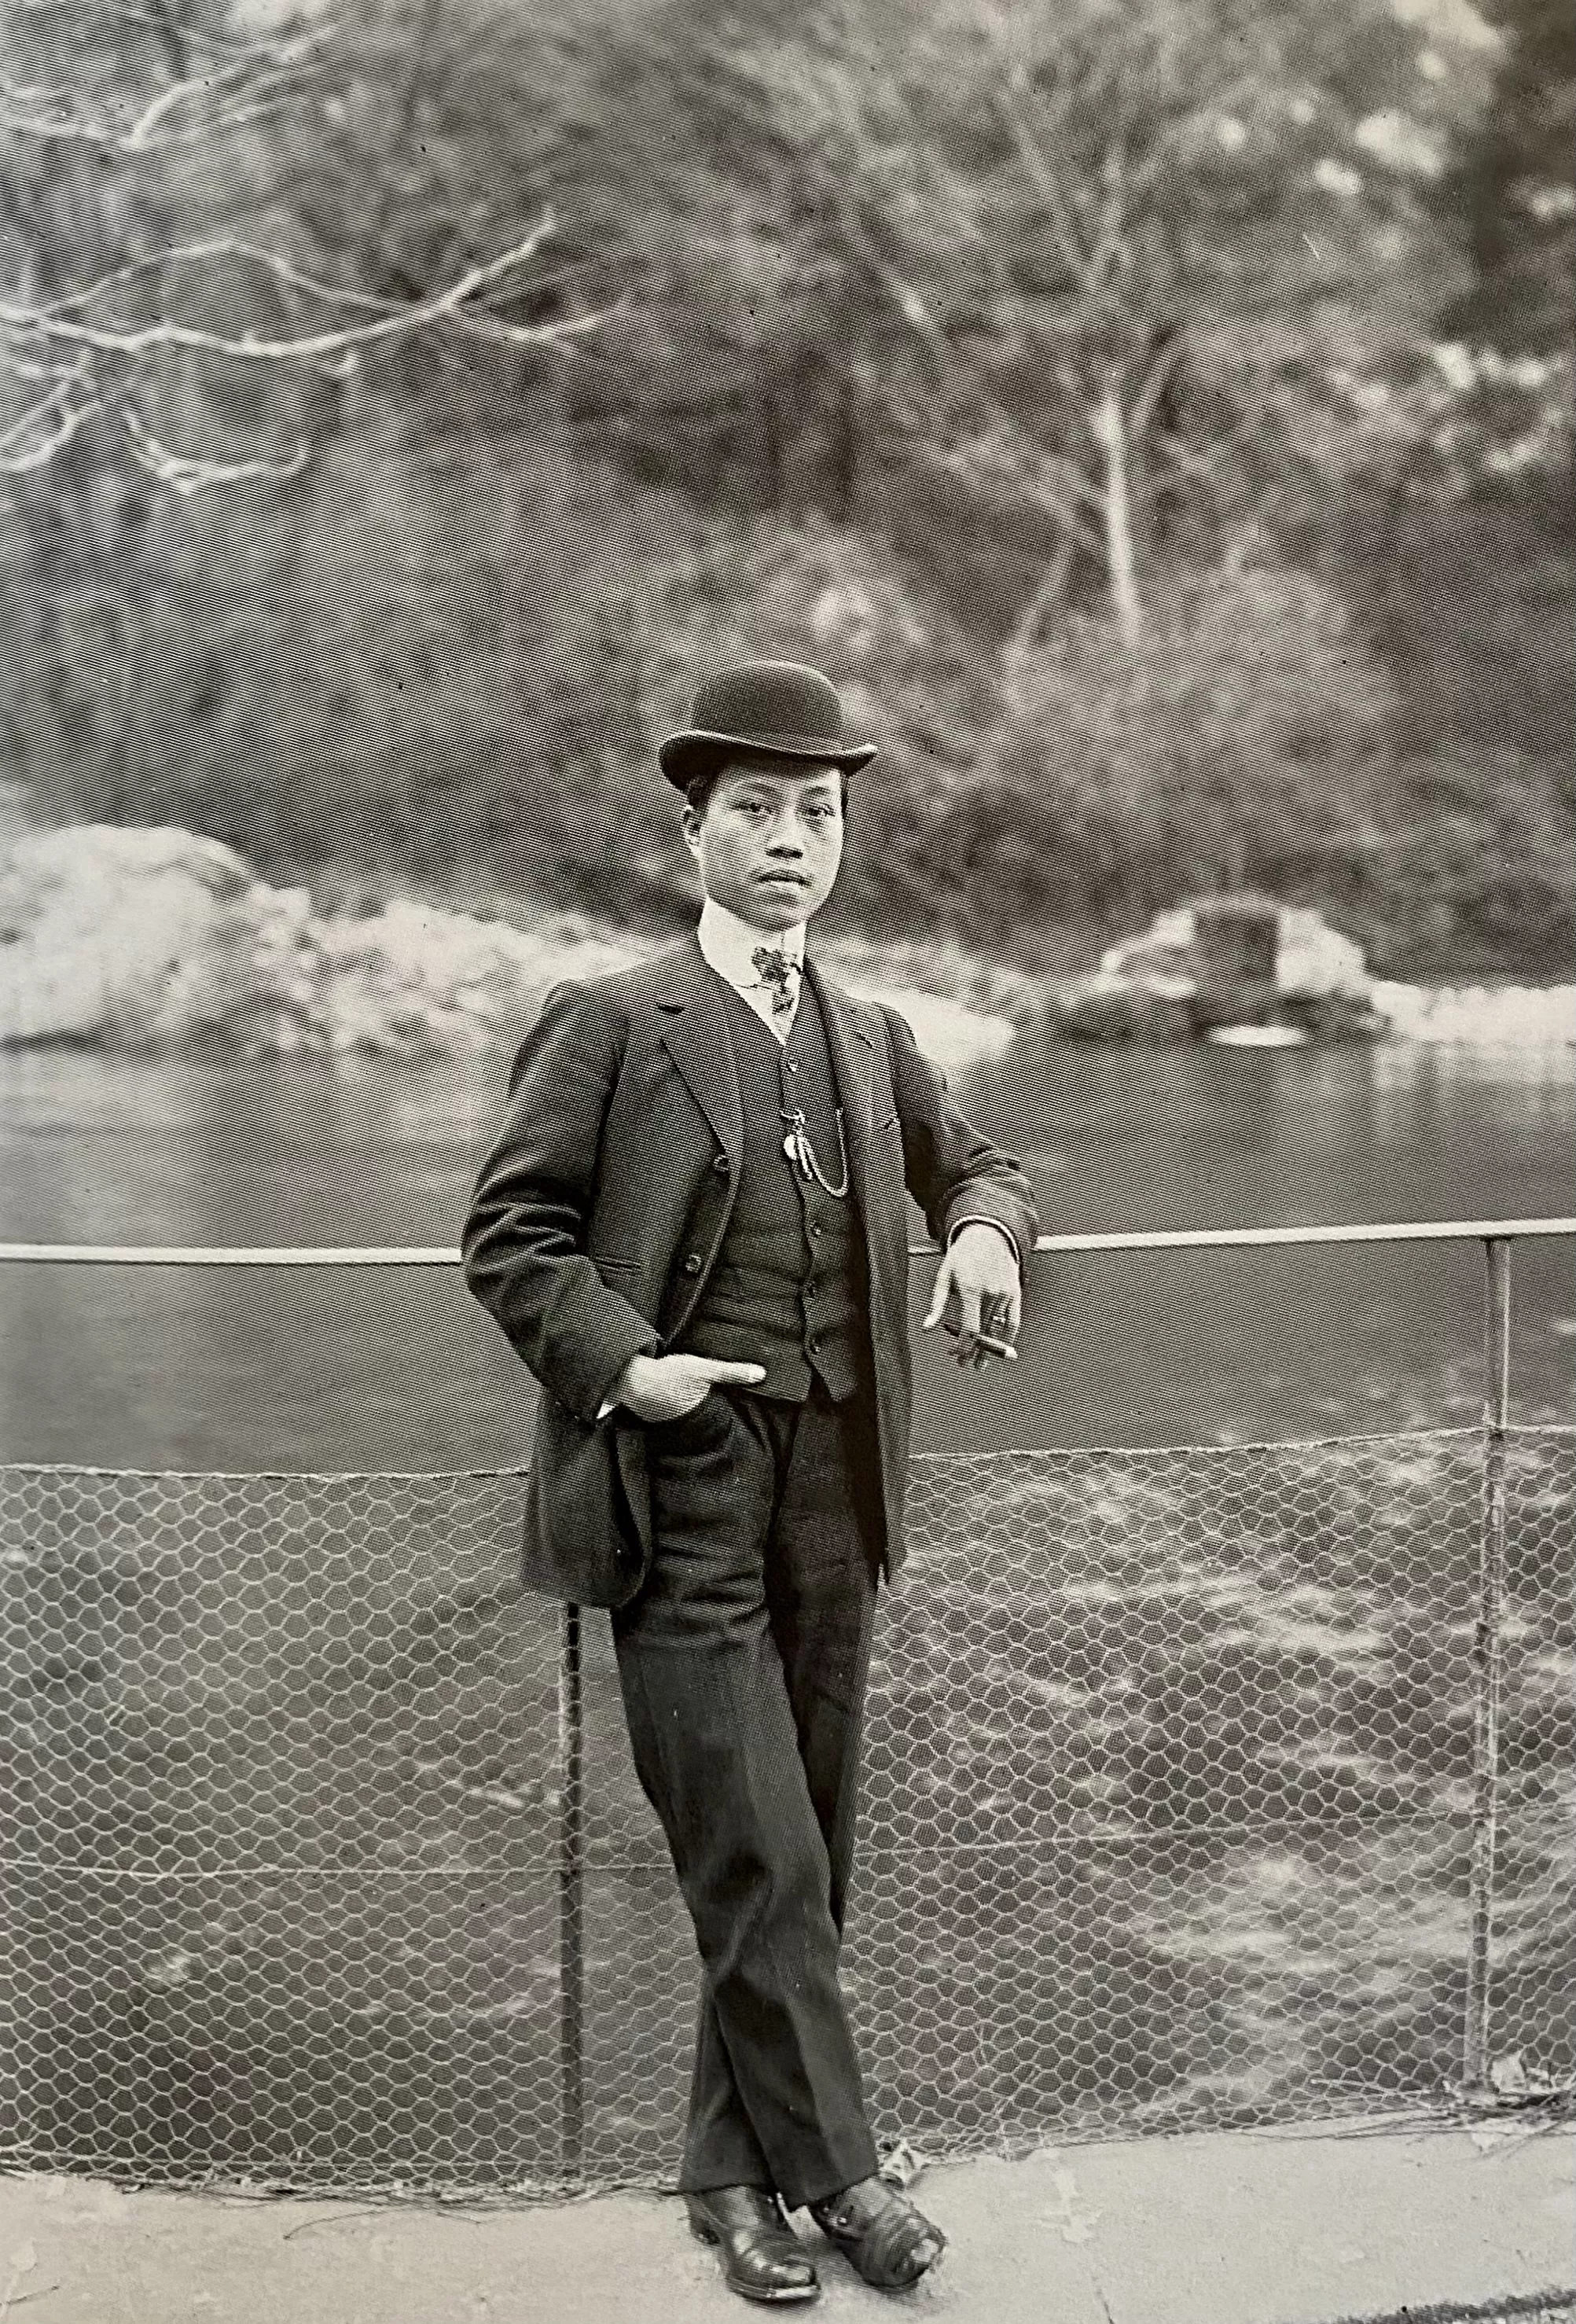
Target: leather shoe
column 763, row 2258
column 889, row 2241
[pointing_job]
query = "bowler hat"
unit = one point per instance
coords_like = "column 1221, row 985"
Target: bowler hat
column 766, row 709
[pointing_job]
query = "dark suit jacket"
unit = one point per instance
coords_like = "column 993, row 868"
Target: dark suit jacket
column 598, row 1213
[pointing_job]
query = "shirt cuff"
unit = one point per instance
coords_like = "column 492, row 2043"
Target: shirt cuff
column 979, row 1218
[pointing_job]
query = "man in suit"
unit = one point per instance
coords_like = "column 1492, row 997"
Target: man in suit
column 692, row 1228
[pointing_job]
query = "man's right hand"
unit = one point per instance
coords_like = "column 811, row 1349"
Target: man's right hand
column 665, row 1387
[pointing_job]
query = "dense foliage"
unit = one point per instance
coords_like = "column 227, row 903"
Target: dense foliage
column 1151, row 411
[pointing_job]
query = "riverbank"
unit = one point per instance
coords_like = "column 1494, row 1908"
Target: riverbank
column 1372, row 2220
column 162, row 941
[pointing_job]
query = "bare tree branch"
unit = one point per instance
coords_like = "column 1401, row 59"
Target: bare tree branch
column 193, row 253
column 1043, row 176
column 1152, row 386
column 255, row 81
column 95, row 134
column 1059, row 485
column 135, row 341
column 1203, row 468
column 25, row 367
column 983, row 460
column 57, row 395
column 1018, row 649
column 39, row 454
column 1108, row 244
column 186, row 474
column 110, row 347
column 65, row 323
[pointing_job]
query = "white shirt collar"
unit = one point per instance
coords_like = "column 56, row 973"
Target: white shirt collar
column 727, row 943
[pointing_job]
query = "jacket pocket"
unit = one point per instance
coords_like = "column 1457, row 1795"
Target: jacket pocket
column 608, row 1263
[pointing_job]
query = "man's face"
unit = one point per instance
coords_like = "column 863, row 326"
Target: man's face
column 770, row 841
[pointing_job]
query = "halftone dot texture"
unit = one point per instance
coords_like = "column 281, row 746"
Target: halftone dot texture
column 1168, row 1816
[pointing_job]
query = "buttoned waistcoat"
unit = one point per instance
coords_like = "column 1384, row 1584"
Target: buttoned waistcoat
column 600, row 1209
column 788, row 1286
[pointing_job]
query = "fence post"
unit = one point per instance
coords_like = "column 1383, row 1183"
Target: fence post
column 571, row 1774
column 1488, row 1651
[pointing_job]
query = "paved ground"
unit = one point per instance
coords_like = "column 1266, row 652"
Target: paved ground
column 1414, row 2226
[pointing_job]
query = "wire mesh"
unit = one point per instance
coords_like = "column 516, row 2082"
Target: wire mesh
column 1533, row 1995
column 321, row 1867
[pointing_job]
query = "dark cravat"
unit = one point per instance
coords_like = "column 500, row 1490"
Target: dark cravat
column 779, row 974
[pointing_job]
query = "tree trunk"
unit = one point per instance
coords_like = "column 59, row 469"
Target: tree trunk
column 1111, row 431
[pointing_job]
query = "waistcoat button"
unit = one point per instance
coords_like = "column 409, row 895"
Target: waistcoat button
column 723, row 1167
column 694, row 1263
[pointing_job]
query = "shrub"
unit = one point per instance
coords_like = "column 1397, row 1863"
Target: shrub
column 1241, row 741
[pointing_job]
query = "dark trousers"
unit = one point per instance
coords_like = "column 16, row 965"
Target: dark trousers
column 742, row 1662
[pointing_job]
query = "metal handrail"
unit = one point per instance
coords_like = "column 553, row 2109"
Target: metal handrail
column 157, row 1254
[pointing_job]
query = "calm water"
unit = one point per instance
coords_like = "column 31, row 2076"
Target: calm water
column 151, row 1368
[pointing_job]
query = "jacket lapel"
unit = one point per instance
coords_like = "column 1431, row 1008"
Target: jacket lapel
column 695, row 1034
column 852, row 1047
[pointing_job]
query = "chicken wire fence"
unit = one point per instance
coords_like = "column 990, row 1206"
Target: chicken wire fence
column 1204, row 1786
